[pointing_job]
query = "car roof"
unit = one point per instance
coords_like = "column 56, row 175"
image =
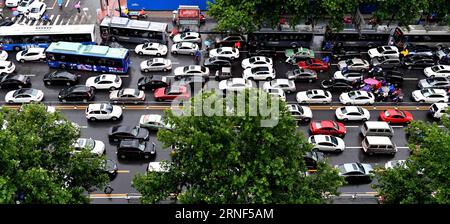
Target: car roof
column 96, row 106
column 152, row 117
column 292, row 107
column 4, row 63
column 238, row 81
column 282, row 81
column 187, row 44
column 352, row 108
column 322, row 138
column 108, row 77
column 158, row 60
column 36, row 49
column 127, row 91
column 130, row 143
column 327, row 123
column 377, row 124
column 122, row 128
column 379, row 140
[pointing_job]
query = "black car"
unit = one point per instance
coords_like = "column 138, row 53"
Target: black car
column 60, row 78
column 14, row 81
column 76, row 93
column 266, row 53
column 152, row 82
column 312, row 159
column 386, row 62
column 110, row 168
column 336, row 84
column 217, row 62
column 136, row 149
column 444, row 61
column 120, row 132
column 419, row 50
column 230, row 40
column 417, row 61
column 394, row 77
column 345, row 55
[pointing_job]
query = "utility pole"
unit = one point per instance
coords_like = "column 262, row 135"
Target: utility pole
column 120, row 8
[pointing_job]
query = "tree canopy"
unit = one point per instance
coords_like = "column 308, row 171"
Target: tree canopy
column 233, row 159
column 37, row 163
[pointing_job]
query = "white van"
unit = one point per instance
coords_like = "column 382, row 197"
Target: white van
column 378, row 145
column 377, row 128
column 438, row 110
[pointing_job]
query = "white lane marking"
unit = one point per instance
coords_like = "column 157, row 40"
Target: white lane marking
column 29, row 22
column 81, row 20
column 83, row 127
column 124, row 76
column 360, row 147
column 411, row 79
column 56, row 20
column 30, row 75
column 402, row 147
column 68, row 21
column 75, row 20
column 352, row 126
column 175, row 63
column 397, row 126
column 38, row 22
column 67, row 3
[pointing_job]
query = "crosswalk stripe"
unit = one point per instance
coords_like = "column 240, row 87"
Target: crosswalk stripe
column 75, row 20
column 81, row 20
column 67, row 3
column 29, row 22
column 56, row 20
column 38, row 23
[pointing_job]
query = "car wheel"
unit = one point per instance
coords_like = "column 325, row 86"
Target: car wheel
column 64, row 101
column 174, row 52
column 165, row 69
column 345, row 119
column 84, row 100
column 146, row 156
column 92, row 119
column 115, row 140
column 338, row 150
column 17, row 48
column 268, row 79
column 310, row 80
column 22, row 61
column 363, row 70
column 364, row 119
column 409, row 67
column 158, row 99
column 10, row 101
column 19, row 86
column 421, row 101
column 348, row 104
column 306, row 120
column 48, row 83
column 63, row 66
column 142, row 88
column 158, row 55
column 432, row 76
column 192, row 53
column 140, row 53
column 68, row 84
column 321, row 70
column 122, row 156
column 112, row 88
column 146, row 70
column 114, row 118
column 115, row 102
column 232, row 58
column 113, row 39
column 288, row 91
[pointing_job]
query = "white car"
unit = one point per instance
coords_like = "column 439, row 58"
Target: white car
column 314, row 96
column 191, row 70
column 256, row 61
column 259, row 73
column 235, row 84
column 103, row 111
column 352, row 113
column 395, row 163
column 383, row 51
column 355, row 64
column 276, row 92
column 229, row 52
column 24, row 6
column 156, row 64
column 3, row 55
column 153, row 122
column 285, row 84
column 193, row 37
column 94, row 146
column 357, row 98
column 184, row 48
column 27, row 95
column 12, row 3
column 327, row 143
column 348, row 76
column 107, row 81
column 437, row 71
column 31, row 54
column 300, row 113
column 7, row 67
column 438, row 110
column 155, row 49
column 430, row 96
column 37, row 10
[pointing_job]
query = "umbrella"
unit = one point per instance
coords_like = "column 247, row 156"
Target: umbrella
column 371, row 81
column 207, row 43
column 15, row 13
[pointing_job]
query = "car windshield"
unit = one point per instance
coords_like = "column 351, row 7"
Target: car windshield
column 252, row 60
column 25, row 52
column 107, row 107
column 387, row 114
column 88, row 144
column 427, row 92
column 31, row 92
column 142, row 146
column 333, row 140
column 24, row 4
column 435, row 68
column 318, row 125
column 349, row 62
column 342, row 169
column 300, row 109
column 360, row 110
column 135, row 131
column 352, row 94
column 380, row 49
column 335, row 126
column 34, row 10
column 429, row 81
column 344, row 110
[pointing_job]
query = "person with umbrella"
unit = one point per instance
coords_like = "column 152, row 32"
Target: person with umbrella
column 197, row 57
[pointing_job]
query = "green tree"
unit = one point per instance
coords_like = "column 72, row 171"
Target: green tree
column 403, row 11
column 37, row 163
column 334, row 11
column 426, row 177
column 232, row 159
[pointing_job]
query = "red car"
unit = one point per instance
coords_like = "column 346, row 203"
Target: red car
column 327, row 127
column 394, row 116
column 314, row 64
column 170, row 93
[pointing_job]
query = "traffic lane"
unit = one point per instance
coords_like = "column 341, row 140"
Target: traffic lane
column 99, row 131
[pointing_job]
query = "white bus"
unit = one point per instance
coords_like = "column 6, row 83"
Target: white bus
column 21, row 37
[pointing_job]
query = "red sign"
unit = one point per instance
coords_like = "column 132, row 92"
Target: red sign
column 188, row 14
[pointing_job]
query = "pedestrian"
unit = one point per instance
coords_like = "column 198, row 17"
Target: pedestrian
column 197, row 57
column 78, row 6
column 108, row 189
column 60, row 4
column 237, row 45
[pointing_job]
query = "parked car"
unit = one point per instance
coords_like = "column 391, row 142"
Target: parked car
column 155, row 49
column 438, row 110
column 417, row 61
column 107, row 81
column 259, row 73
column 60, row 78
column 352, row 113
column 314, row 96
column 103, row 111
column 76, row 93
column 136, row 149
column 430, row 96
column 171, row 93
column 355, row 172
column 256, row 61
column 235, row 84
column 14, row 81
column 24, row 96
column 394, row 116
column 337, row 84
column 153, row 122
column 152, row 82
column 357, row 98
column 355, row 64
column 184, row 48
column 314, row 64
column 31, row 54
column 229, row 52
column 156, row 64
column 383, row 51
column 121, row 132
column 349, row 76
column 127, row 95
column 192, row 37
column 431, row 72
column 438, row 83
column 285, row 84
column 3, row 55
column 327, row 143
column 37, row 10
column 386, row 62
column 94, row 146
column 442, row 53
column 217, row 62
column 191, row 70
column 327, row 127
column 7, row 67
column 300, row 74
column 300, row 113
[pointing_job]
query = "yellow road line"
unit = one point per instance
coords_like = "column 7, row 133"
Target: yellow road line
column 107, row 195
column 123, row 171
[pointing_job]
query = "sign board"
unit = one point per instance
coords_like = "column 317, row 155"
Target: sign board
column 188, row 14
column 188, row 22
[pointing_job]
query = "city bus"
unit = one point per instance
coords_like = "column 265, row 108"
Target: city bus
column 369, row 38
column 21, row 37
column 433, row 36
column 279, row 39
column 77, row 56
column 133, row 31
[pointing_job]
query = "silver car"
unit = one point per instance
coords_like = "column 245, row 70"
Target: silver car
column 156, row 64
column 437, row 82
column 302, row 74
column 184, row 48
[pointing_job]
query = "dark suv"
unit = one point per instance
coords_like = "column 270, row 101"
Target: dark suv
column 14, row 81
column 121, row 132
column 136, row 149
column 418, row 61
column 76, row 93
